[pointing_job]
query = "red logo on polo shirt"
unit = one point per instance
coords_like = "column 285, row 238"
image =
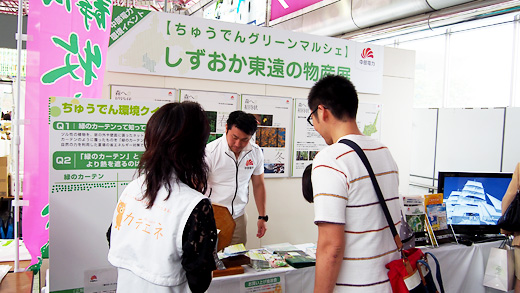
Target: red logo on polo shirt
column 249, row 163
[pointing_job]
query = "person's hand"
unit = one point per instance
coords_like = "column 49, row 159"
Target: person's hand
column 261, row 228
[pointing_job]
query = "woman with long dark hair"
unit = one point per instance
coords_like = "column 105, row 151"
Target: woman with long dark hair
column 163, row 230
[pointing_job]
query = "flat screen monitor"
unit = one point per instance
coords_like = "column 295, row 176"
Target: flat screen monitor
column 473, row 200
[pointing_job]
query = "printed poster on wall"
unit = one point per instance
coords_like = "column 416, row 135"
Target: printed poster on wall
column 308, row 142
column 264, row 284
column 217, row 105
column 274, row 115
column 139, row 93
column 194, row 47
column 94, row 153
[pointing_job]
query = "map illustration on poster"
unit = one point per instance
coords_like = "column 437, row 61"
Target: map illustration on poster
column 217, row 105
column 274, row 131
column 369, row 119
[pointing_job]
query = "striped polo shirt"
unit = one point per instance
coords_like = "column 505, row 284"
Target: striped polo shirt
column 344, row 194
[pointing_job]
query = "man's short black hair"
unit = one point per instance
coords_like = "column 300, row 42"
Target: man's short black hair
column 337, row 94
column 243, row 121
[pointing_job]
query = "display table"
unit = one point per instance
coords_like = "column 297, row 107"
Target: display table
column 462, row 269
column 17, row 283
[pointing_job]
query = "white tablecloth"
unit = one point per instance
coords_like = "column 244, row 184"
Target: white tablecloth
column 462, row 269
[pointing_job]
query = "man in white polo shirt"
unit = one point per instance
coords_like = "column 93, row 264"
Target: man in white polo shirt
column 354, row 239
column 233, row 160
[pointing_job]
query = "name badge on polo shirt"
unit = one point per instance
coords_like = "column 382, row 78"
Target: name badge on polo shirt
column 249, row 164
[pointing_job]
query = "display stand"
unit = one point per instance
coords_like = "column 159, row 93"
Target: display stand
column 438, row 237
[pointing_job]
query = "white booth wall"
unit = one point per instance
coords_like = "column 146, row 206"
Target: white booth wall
column 290, row 216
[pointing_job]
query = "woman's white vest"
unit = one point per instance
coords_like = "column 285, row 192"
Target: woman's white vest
column 148, row 242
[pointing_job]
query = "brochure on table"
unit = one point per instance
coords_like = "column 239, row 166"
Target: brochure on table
column 308, row 142
column 139, row 93
column 217, row 105
column 94, row 151
column 274, row 115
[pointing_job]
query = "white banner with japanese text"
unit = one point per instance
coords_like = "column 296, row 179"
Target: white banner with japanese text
column 94, row 153
column 167, row 44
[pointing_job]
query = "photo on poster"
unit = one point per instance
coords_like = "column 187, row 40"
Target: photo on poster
column 302, row 155
column 264, row 119
column 270, row 137
column 212, row 119
column 218, row 106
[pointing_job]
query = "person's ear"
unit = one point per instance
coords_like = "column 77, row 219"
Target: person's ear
column 324, row 113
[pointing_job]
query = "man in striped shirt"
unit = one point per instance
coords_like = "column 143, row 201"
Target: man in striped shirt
column 354, row 240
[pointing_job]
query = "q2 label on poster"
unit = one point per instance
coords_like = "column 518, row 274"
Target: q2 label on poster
column 217, row 105
column 274, row 131
column 94, row 152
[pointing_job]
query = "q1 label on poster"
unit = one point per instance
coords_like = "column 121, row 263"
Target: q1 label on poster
column 94, row 151
column 217, row 105
column 274, row 131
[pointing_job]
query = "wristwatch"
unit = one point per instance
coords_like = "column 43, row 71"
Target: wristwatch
column 265, row 218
